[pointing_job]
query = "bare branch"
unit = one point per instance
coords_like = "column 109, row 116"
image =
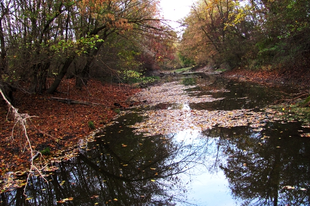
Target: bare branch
column 21, row 119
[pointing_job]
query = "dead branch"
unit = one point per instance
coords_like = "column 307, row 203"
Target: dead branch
column 21, row 119
column 292, row 97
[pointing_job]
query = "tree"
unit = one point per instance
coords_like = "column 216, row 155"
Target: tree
column 254, row 34
column 216, row 31
column 41, row 39
column 123, row 16
column 282, row 40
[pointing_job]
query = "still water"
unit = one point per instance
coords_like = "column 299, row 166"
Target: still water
column 208, row 142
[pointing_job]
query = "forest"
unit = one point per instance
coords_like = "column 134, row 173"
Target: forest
column 255, row 35
column 44, row 41
column 58, row 53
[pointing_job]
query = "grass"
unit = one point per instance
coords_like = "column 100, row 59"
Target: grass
column 185, row 69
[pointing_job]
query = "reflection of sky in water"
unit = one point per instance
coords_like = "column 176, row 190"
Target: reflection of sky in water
column 210, row 189
column 207, row 184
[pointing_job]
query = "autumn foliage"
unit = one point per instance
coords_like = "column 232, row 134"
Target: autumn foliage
column 249, row 34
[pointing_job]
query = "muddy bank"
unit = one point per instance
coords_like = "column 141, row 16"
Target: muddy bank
column 297, row 79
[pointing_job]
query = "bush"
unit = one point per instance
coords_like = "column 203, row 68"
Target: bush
column 91, row 125
column 132, row 77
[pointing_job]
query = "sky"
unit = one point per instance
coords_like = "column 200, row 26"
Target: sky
column 175, row 10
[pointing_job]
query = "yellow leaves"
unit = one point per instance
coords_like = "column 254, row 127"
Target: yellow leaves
column 63, row 182
column 110, row 16
column 51, row 169
column 305, row 135
column 65, row 200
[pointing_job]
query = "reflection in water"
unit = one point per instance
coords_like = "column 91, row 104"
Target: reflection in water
column 239, row 165
column 271, row 167
column 117, row 169
column 266, row 168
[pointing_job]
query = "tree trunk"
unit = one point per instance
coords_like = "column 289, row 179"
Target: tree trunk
column 61, row 74
column 39, row 77
column 3, row 50
column 84, row 74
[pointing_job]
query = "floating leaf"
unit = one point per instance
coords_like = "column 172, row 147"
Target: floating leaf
column 305, row 135
column 288, row 187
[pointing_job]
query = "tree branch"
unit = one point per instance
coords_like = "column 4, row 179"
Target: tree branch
column 21, row 119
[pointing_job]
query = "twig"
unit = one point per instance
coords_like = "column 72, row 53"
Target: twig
column 22, row 120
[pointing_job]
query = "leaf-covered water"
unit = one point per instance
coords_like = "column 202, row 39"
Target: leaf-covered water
column 212, row 143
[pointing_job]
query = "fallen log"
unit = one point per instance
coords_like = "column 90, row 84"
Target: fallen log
column 71, row 101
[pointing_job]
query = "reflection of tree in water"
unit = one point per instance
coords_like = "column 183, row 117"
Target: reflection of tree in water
column 117, row 169
column 267, row 171
column 241, row 95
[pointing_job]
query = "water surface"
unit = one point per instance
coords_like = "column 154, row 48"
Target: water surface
column 210, row 142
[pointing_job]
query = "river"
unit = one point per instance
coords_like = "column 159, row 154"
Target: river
column 194, row 141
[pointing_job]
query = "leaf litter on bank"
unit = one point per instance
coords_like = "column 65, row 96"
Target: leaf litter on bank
column 58, row 126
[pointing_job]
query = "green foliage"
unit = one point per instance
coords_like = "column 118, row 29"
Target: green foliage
column 91, row 125
column 186, row 69
column 257, row 34
column 117, row 111
column 46, row 151
column 306, row 101
column 185, row 60
column 132, row 77
column 299, row 110
column 293, row 112
column 189, row 81
column 81, row 46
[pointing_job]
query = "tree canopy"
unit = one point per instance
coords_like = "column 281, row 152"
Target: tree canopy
column 252, row 34
column 45, row 39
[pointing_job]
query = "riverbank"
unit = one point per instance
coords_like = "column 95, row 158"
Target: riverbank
column 59, row 121
column 296, row 79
